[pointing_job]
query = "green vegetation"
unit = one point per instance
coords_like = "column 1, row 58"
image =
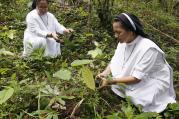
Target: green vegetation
column 43, row 88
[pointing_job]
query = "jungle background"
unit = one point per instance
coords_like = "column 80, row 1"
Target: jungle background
column 64, row 87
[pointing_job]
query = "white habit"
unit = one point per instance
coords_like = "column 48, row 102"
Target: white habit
column 35, row 34
column 144, row 60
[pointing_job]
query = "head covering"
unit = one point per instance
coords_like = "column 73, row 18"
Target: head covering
column 33, row 4
column 131, row 22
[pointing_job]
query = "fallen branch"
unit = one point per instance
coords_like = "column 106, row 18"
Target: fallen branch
column 75, row 108
column 172, row 38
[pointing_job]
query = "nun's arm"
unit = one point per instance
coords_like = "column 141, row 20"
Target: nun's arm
column 142, row 69
column 107, row 71
column 60, row 29
column 126, row 80
column 33, row 26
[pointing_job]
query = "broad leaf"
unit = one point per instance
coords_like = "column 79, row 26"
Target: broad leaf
column 63, row 74
column 88, row 78
column 95, row 53
column 6, row 94
column 80, row 62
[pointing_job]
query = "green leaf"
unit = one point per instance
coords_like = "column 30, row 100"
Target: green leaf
column 88, row 78
column 67, row 97
column 49, row 116
column 63, row 74
column 113, row 116
column 95, row 53
column 10, row 34
column 128, row 109
column 4, row 70
column 174, row 106
column 6, row 94
column 62, row 102
column 48, row 75
column 146, row 115
column 80, row 62
column 55, row 116
column 5, row 52
column 53, row 100
column 96, row 44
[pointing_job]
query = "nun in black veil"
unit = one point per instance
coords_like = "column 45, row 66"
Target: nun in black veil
column 33, row 4
column 140, row 64
column 42, row 31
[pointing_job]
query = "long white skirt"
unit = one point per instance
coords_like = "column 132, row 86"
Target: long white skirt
column 153, row 96
column 52, row 48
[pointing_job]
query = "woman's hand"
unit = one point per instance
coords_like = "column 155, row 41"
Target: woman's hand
column 104, row 82
column 56, row 37
column 101, row 81
column 67, row 31
column 101, row 75
column 52, row 35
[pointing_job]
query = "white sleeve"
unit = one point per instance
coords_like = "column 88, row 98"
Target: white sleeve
column 146, row 64
column 59, row 28
column 34, row 27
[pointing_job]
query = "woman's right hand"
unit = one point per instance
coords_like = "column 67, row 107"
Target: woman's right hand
column 55, row 36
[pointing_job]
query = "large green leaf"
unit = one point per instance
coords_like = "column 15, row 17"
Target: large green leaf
column 80, row 62
column 95, row 53
column 6, row 94
column 63, row 74
column 88, row 78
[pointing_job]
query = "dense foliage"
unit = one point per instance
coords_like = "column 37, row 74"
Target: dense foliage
column 64, row 87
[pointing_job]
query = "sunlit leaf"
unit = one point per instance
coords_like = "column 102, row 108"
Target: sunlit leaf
column 88, row 78
column 80, row 62
column 5, row 52
column 96, row 43
column 62, row 102
column 63, row 74
column 95, row 53
column 89, row 35
column 10, row 34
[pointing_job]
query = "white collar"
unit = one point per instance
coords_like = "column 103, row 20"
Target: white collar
column 134, row 41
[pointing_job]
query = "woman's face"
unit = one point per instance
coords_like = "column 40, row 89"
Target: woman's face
column 121, row 34
column 42, row 7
